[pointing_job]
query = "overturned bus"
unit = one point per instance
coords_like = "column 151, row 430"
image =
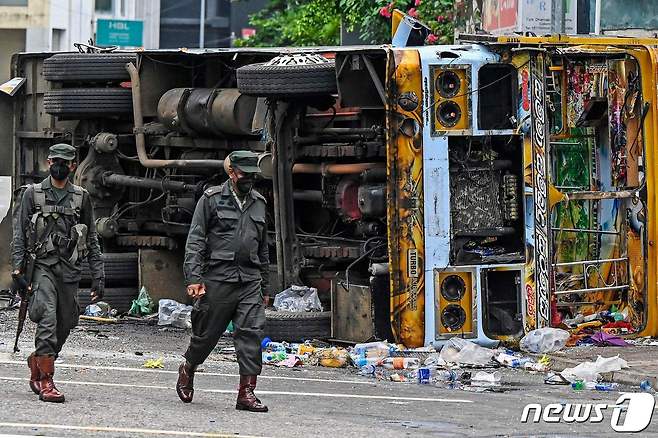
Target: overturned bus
column 478, row 190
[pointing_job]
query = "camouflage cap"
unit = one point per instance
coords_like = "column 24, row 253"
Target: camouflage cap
column 63, row 151
column 245, row 161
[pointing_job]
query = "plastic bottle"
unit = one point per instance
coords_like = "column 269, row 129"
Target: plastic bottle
column 645, row 386
column 368, row 370
column 363, row 361
column 422, row 375
column 274, row 356
column 578, row 385
column 401, row 363
column 606, row 386
column 445, row 376
column 273, row 346
column 372, row 349
column 518, row 363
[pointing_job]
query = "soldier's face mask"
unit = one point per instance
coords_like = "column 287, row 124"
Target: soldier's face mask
column 60, row 169
column 243, row 181
column 245, row 184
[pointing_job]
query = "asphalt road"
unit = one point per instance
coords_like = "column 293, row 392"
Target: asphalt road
column 110, row 394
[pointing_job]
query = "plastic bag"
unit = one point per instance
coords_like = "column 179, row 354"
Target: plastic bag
column 591, row 371
column 463, row 351
column 143, row 305
column 333, row 357
column 173, row 313
column 100, row 309
column 545, row 340
column 298, row 299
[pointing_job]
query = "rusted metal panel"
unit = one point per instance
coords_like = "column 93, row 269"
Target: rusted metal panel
column 352, row 317
column 161, row 273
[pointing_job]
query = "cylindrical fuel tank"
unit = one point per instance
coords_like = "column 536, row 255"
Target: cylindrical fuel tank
column 207, row 111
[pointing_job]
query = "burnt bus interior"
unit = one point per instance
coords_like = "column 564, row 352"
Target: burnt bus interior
column 598, row 224
column 325, row 186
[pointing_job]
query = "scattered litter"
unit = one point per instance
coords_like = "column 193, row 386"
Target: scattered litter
column 98, row 319
column 645, row 386
column 435, row 360
column 463, row 351
column 579, row 385
column 139, row 353
column 298, row 299
column 143, row 305
column 400, row 363
column 602, row 339
column 289, row 362
column 645, row 341
column 93, row 310
column 173, row 313
column 333, row 357
column 154, row 363
column 482, row 377
column 545, row 340
column 556, row 379
column 591, row 371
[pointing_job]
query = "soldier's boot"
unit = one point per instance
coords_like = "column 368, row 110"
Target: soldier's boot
column 185, row 384
column 35, row 374
column 48, row 393
column 247, row 400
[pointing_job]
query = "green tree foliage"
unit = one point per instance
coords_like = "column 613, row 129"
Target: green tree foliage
column 295, row 23
column 317, row 22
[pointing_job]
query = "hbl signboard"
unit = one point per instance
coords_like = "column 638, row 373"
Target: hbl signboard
column 125, row 33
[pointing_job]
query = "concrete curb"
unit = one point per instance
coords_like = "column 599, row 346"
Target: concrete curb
column 625, row 377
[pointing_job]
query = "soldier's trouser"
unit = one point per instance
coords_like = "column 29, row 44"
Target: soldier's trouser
column 240, row 302
column 53, row 307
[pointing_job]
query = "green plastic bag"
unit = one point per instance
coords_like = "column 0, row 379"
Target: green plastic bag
column 143, row 305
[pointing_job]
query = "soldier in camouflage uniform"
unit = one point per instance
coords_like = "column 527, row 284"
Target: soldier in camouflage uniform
column 55, row 220
column 226, row 268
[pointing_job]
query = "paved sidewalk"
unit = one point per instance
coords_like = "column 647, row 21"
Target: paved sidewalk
column 642, row 360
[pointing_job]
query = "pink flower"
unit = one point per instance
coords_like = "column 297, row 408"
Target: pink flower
column 412, row 12
column 440, row 18
column 417, row 2
column 384, row 12
column 431, row 38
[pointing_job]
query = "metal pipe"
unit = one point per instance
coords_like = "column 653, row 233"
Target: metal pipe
column 140, row 140
column 113, row 179
column 307, row 195
column 335, row 169
column 590, row 262
column 375, row 130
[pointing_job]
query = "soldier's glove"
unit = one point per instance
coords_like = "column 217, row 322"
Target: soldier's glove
column 18, row 282
column 97, row 290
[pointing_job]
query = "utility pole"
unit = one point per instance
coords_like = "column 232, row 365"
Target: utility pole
column 202, row 24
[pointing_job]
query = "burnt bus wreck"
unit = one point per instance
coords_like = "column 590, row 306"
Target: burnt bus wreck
column 153, row 129
column 479, row 190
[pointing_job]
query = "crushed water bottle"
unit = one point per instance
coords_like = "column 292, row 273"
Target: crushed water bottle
column 401, row 363
column 372, row 349
column 368, row 370
column 267, row 343
column 645, row 386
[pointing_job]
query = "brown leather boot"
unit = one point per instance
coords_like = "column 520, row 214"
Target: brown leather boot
column 247, row 400
column 185, row 384
column 49, row 392
column 35, row 374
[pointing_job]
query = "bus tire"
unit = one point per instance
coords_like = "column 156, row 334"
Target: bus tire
column 87, row 67
column 297, row 326
column 121, row 269
column 88, row 102
column 287, row 81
